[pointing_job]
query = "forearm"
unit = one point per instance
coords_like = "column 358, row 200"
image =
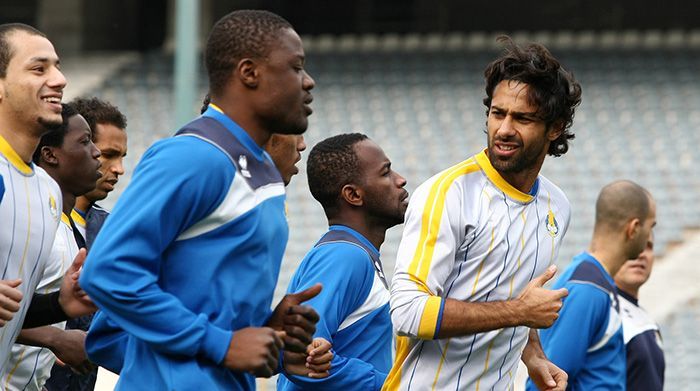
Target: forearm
column 533, row 348
column 345, row 373
column 43, row 337
column 44, row 310
column 465, row 318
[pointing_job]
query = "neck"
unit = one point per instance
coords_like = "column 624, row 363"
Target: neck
column 524, row 179
column 375, row 234
column 605, row 249
column 630, row 290
column 24, row 143
column 68, row 202
column 82, row 204
column 239, row 112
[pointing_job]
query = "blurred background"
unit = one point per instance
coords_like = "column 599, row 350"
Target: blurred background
column 409, row 73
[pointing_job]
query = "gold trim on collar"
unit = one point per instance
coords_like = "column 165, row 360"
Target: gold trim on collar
column 483, row 161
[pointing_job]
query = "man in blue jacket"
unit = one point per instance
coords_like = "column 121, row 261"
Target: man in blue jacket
column 362, row 196
column 587, row 341
column 187, row 262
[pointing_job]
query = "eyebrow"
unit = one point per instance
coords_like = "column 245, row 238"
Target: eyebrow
column 532, row 114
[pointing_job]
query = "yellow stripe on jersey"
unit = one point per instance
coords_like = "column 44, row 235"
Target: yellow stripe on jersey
column 66, row 220
column 14, row 158
column 428, row 322
column 481, row 265
column 522, row 248
column 486, row 363
column 12, row 371
column 77, row 218
column 29, row 227
column 442, row 361
column 393, row 379
column 217, row 108
column 483, row 160
column 430, row 227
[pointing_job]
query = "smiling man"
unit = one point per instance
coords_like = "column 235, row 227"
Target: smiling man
column 480, row 240
column 31, row 88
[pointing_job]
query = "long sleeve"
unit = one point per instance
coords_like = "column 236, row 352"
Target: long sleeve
column 346, row 273
column 176, row 184
column 425, row 258
column 106, row 342
column 580, row 322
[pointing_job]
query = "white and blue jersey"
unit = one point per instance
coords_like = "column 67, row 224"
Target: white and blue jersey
column 354, row 311
column 586, row 341
column 190, row 254
column 645, row 354
column 30, row 209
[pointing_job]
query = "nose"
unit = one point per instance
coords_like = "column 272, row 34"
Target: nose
column 308, row 82
column 57, row 79
column 301, row 144
column 118, row 168
column 95, row 151
column 400, row 180
column 506, row 128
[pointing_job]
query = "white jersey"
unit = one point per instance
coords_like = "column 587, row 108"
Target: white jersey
column 29, row 214
column 79, row 222
column 469, row 236
column 29, row 367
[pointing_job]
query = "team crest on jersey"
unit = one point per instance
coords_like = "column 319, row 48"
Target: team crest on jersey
column 551, row 224
column 243, row 164
column 53, row 208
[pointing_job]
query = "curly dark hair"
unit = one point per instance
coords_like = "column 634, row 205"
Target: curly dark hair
column 55, row 137
column 96, row 111
column 238, row 35
column 553, row 89
column 6, row 50
column 332, row 164
column 205, row 104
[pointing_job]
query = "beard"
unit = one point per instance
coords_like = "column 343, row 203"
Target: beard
column 525, row 158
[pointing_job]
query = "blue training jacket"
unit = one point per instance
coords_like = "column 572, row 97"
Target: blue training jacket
column 354, row 311
column 190, row 254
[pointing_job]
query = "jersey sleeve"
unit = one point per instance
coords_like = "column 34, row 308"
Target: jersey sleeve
column 582, row 317
column 176, row 184
column 346, row 272
column 105, row 343
column 425, row 258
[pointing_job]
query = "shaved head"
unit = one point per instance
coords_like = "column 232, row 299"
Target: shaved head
column 619, row 202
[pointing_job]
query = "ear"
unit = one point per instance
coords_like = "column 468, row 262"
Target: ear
column 555, row 130
column 632, row 228
column 248, row 72
column 352, row 194
column 48, row 156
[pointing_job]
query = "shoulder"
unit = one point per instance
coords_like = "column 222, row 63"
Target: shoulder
column 341, row 257
column 452, row 181
column 47, row 179
column 553, row 192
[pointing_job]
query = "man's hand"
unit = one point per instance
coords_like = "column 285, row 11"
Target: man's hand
column 297, row 321
column 73, row 300
column 546, row 375
column 540, row 306
column 315, row 363
column 255, row 350
column 10, row 297
column 69, row 348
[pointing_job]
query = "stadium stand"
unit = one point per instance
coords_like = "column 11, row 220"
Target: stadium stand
column 420, row 98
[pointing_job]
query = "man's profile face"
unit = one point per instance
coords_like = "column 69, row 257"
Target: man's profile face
column 285, row 86
column 33, row 86
column 78, row 163
column 385, row 197
column 517, row 138
column 111, row 141
column 285, row 150
column 634, row 273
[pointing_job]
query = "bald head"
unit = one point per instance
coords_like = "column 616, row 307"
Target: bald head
column 619, row 202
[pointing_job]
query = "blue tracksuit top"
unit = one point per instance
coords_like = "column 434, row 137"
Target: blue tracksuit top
column 354, row 311
column 190, row 254
column 586, row 341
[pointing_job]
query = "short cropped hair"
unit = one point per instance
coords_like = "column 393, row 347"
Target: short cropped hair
column 55, row 137
column 621, row 201
column 96, row 111
column 553, row 89
column 6, row 49
column 238, row 35
column 332, row 164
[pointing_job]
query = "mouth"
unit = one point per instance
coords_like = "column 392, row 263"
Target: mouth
column 54, row 101
column 505, row 149
column 307, row 102
column 404, row 198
